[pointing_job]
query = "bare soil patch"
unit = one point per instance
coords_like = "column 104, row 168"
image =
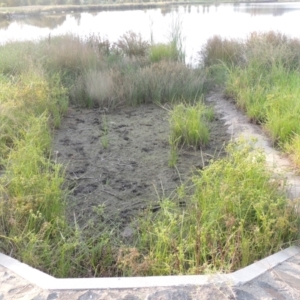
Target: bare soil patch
column 132, row 172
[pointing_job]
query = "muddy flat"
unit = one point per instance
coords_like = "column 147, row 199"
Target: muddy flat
column 120, row 160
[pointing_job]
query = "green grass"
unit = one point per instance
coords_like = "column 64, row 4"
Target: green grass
column 233, row 216
column 160, row 52
column 269, row 97
column 262, row 76
column 189, row 125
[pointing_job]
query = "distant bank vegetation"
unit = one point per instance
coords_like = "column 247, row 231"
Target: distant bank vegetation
column 12, row 3
column 15, row 3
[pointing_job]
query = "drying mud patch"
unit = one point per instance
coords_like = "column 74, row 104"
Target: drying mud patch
column 118, row 161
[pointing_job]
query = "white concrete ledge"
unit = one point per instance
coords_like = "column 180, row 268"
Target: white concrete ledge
column 260, row 267
column 239, row 277
column 32, row 275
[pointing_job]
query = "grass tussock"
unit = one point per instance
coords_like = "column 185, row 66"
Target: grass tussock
column 168, row 52
column 233, row 216
column 189, row 125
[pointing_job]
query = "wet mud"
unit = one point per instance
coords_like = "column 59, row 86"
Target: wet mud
column 119, row 161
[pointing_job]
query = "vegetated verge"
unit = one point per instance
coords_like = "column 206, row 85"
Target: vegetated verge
column 227, row 215
column 262, row 75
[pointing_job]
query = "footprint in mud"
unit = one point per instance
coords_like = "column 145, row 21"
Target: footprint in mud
column 79, row 121
column 78, row 172
column 121, row 126
column 80, row 150
column 95, row 139
column 145, row 149
column 96, row 121
column 86, row 189
column 65, row 141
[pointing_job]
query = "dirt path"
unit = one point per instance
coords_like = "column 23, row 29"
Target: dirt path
column 119, row 160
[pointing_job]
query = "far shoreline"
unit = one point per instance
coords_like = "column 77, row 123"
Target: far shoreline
column 11, row 12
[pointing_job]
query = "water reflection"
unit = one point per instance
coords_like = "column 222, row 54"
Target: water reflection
column 4, row 23
column 166, row 10
column 274, row 9
column 50, row 21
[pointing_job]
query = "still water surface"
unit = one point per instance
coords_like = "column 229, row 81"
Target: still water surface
column 197, row 23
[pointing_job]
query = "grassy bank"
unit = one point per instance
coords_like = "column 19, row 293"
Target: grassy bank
column 231, row 214
column 262, row 75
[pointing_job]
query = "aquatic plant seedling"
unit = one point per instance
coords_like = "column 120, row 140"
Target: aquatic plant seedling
column 104, row 138
column 173, row 158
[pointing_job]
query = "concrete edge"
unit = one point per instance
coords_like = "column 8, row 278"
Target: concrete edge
column 32, row 275
column 239, row 277
column 258, row 268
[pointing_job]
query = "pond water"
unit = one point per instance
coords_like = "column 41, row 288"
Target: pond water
column 197, row 23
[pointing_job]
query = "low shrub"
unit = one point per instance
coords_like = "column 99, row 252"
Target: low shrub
column 272, row 47
column 132, row 44
column 218, row 49
column 163, row 82
column 135, row 84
